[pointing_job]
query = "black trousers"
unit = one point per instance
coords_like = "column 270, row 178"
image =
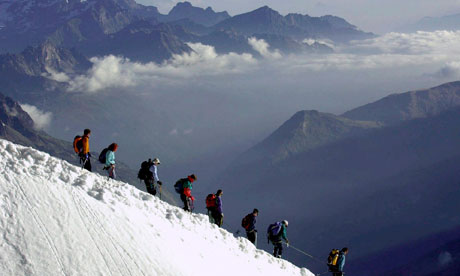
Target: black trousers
column 218, row 217
column 87, row 164
column 149, row 186
column 186, row 202
column 252, row 237
column 278, row 249
column 337, row 274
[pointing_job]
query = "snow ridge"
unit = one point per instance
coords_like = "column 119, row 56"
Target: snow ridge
column 57, row 219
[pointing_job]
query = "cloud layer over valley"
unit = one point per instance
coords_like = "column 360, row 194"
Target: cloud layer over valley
column 430, row 52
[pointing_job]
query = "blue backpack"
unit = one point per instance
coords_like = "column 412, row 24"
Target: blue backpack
column 274, row 229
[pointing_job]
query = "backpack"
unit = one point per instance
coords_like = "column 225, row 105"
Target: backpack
column 245, row 223
column 78, row 144
column 179, row 186
column 103, row 156
column 274, row 229
column 211, row 201
column 144, row 172
column 332, row 258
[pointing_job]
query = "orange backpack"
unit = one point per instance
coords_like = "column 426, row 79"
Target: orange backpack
column 77, row 144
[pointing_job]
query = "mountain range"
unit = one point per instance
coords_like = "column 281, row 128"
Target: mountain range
column 268, row 21
column 429, row 24
column 123, row 27
column 375, row 177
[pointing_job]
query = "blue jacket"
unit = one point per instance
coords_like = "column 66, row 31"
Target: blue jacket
column 109, row 158
column 341, row 261
column 219, row 205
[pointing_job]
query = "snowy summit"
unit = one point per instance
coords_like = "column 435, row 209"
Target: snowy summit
column 58, row 219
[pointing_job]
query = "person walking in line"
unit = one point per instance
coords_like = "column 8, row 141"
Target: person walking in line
column 217, row 212
column 276, row 232
column 249, row 224
column 341, row 262
column 146, row 175
column 210, row 206
column 184, row 188
column 85, row 155
column 154, row 180
column 110, row 159
column 81, row 147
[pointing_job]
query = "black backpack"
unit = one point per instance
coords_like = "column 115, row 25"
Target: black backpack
column 103, row 155
column 144, row 172
column 179, row 186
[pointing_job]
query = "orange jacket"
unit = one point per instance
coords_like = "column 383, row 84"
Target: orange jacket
column 85, row 143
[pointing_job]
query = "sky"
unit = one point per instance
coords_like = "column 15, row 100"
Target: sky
column 370, row 15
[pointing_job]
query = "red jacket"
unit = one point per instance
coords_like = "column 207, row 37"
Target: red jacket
column 187, row 192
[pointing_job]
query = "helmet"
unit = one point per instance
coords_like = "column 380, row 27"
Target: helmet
column 285, row 222
column 156, row 160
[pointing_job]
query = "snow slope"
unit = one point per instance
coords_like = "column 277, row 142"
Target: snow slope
column 57, row 219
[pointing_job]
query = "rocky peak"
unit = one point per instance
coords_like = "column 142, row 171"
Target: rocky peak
column 12, row 115
column 38, row 60
column 206, row 17
column 307, row 130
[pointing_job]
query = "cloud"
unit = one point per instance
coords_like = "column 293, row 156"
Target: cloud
column 444, row 259
column 188, row 131
column 10, row 111
column 449, row 70
column 419, row 43
column 57, row 76
column 393, row 50
column 42, row 119
column 327, row 42
column 262, row 47
column 174, row 132
column 118, row 72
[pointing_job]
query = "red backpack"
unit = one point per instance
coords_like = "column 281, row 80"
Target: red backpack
column 245, row 223
column 211, row 201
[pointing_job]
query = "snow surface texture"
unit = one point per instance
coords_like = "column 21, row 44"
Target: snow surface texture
column 57, row 219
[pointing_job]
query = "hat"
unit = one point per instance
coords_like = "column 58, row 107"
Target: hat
column 156, row 160
column 285, row 222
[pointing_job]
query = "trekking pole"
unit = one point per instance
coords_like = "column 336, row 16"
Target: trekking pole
column 84, row 163
column 191, row 205
column 305, row 253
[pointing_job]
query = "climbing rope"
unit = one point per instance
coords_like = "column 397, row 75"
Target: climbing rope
column 309, row 255
column 305, row 253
